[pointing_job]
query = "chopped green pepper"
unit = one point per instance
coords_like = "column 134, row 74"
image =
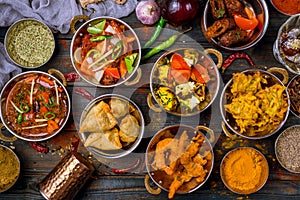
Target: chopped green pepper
column 24, row 107
column 49, row 115
column 100, row 38
column 129, row 60
column 97, row 28
column 20, row 118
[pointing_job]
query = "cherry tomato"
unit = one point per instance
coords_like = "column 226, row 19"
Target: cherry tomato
column 244, row 23
column 177, row 62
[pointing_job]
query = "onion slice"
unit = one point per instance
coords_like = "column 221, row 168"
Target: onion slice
column 31, row 90
column 36, row 126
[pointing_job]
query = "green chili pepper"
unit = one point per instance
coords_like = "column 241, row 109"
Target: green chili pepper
column 167, row 43
column 129, row 61
column 100, row 38
column 159, row 27
column 97, row 28
column 24, row 107
column 52, row 115
column 20, row 118
column 117, row 49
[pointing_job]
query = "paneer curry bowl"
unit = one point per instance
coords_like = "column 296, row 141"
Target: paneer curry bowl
column 111, row 126
column 184, row 81
column 254, row 104
column 179, row 159
column 105, row 51
column 35, row 106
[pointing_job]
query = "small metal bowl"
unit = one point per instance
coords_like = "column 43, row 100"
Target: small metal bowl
column 230, row 120
column 248, row 151
column 283, row 9
column 287, row 149
column 95, row 76
column 17, row 115
column 292, row 88
column 128, row 146
column 29, row 43
column 172, row 133
column 292, row 63
column 9, row 158
column 261, row 10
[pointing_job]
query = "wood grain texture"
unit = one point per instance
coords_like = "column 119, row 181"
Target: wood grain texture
column 106, row 185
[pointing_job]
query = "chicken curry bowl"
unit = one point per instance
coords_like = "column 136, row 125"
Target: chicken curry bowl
column 179, row 159
column 185, row 81
column 111, row 126
column 34, row 106
column 105, row 51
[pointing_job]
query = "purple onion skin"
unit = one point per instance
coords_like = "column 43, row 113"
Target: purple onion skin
column 147, row 12
column 179, row 12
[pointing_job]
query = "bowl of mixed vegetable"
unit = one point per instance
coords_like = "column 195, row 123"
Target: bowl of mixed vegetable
column 35, row 106
column 184, row 82
column 105, row 51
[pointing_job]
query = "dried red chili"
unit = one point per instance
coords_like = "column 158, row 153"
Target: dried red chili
column 72, row 77
column 38, row 147
column 229, row 60
column 84, row 93
column 124, row 170
column 75, row 145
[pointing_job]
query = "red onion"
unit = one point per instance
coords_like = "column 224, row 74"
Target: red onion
column 147, row 12
column 179, row 12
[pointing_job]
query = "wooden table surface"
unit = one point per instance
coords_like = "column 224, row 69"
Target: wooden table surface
column 104, row 184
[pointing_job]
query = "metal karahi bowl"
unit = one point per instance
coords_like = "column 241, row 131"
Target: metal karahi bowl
column 244, row 109
column 35, row 106
column 287, row 149
column 8, row 158
column 261, row 164
column 170, row 152
column 29, row 43
column 262, row 14
column 111, row 126
column 105, row 51
column 286, row 48
column 175, row 83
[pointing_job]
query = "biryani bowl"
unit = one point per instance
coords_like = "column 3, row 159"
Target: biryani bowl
column 184, row 81
column 29, row 43
column 105, row 51
column 227, row 34
column 111, row 126
column 254, row 104
column 175, row 151
column 35, row 106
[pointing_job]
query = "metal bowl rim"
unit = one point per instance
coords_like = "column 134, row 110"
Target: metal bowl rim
column 130, row 29
column 224, row 115
column 139, row 138
column 15, row 24
column 67, row 115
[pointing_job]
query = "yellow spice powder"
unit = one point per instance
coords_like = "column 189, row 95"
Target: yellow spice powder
column 10, row 168
column 243, row 170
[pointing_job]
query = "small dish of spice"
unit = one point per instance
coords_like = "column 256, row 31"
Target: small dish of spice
column 10, row 168
column 293, row 89
column 29, row 43
column 244, row 170
column 286, row 7
column 287, row 149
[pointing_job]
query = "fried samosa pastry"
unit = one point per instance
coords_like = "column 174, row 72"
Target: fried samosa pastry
column 98, row 119
column 108, row 140
column 119, row 108
column 129, row 128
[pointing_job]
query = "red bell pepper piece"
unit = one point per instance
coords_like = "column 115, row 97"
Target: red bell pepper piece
column 113, row 72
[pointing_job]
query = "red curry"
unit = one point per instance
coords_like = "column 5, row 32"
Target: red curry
column 289, row 7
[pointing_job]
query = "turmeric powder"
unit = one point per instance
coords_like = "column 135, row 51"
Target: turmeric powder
column 10, row 168
column 244, row 170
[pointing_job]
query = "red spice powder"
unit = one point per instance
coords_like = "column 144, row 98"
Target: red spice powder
column 289, row 7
